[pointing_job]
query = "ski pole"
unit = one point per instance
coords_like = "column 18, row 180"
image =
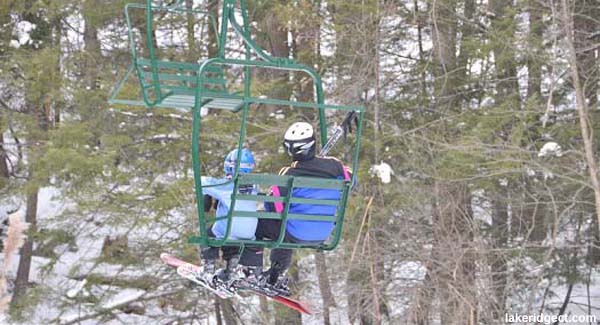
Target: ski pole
column 338, row 131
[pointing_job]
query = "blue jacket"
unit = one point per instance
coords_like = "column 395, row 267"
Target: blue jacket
column 309, row 230
column 241, row 227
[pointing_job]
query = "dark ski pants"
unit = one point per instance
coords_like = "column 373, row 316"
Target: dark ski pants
column 212, row 253
column 281, row 258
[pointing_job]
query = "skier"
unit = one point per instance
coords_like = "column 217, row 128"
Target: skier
column 241, row 228
column 300, row 143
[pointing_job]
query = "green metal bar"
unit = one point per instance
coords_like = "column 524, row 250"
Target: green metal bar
column 277, row 216
column 228, row 6
column 300, row 104
column 246, row 35
column 204, row 66
column 318, row 84
column 112, row 98
column 260, row 243
column 177, row 65
column 359, row 131
column 235, row 177
column 284, row 214
column 145, row 97
column 242, row 32
column 263, row 179
column 132, row 44
column 187, row 78
column 273, row 65
column 327, row 183
column 225, row 238
column 151, row 50
column 241, row 140
column 344, row 202
column 265, row 198
column 182, row 9
column 208, row 93
column 337, row 232
column 197, row 172
column 196, row 157
column 250, row 100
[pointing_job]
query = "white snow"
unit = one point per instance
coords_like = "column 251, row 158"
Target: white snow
column 22, row 31
column 383, row 171
column 77, row 289
column 15, row 44
column 551, row 149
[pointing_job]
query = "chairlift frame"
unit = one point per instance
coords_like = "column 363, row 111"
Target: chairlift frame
column 202, row 84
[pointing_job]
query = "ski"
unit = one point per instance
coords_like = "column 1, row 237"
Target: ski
column 175, row 262
column 284, row 300
column 190, row 272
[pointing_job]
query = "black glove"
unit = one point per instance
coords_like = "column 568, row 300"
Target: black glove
column 347, row 123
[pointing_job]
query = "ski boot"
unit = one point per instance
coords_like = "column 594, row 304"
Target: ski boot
column 227, row 277
column 208, row 271
column 277, row 282
column 250, row 277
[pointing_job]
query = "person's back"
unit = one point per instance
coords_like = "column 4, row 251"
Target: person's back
column 321, row 167
column 241, row 227
column 300, row 143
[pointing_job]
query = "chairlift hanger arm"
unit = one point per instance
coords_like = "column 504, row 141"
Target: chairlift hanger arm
column 277, row 66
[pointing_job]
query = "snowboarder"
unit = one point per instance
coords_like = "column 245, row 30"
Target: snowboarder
column 241, row 228
column 299, row 143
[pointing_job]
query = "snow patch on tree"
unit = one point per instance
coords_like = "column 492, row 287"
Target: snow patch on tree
column 383, row 171
column 551, row 149
column 23, row 31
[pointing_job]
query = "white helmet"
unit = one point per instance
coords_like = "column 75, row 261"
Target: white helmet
column 299, row 141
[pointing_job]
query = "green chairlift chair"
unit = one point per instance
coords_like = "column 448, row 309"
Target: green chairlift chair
column 191, row 86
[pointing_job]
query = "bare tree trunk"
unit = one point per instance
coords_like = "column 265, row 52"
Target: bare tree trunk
column 92, row 49
column 218, row 312
column 306, row 49
column 454, row 270
column 535, row 50
column 585, row 29
column 4, row 173
column 324, row 285
column 467, row 34
column 585, row 38
column 229, row 313
column 39, row 110
column 376, row 100
column 212, row 6
column 285, row 315
column 421, row 304
column 581, row 106
column 190, row 27
column 507, row 85
column 274, row 39
column 499, row 239
column 264, row 310
column 421, row 21
column 444, row 21
column 22, row 280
